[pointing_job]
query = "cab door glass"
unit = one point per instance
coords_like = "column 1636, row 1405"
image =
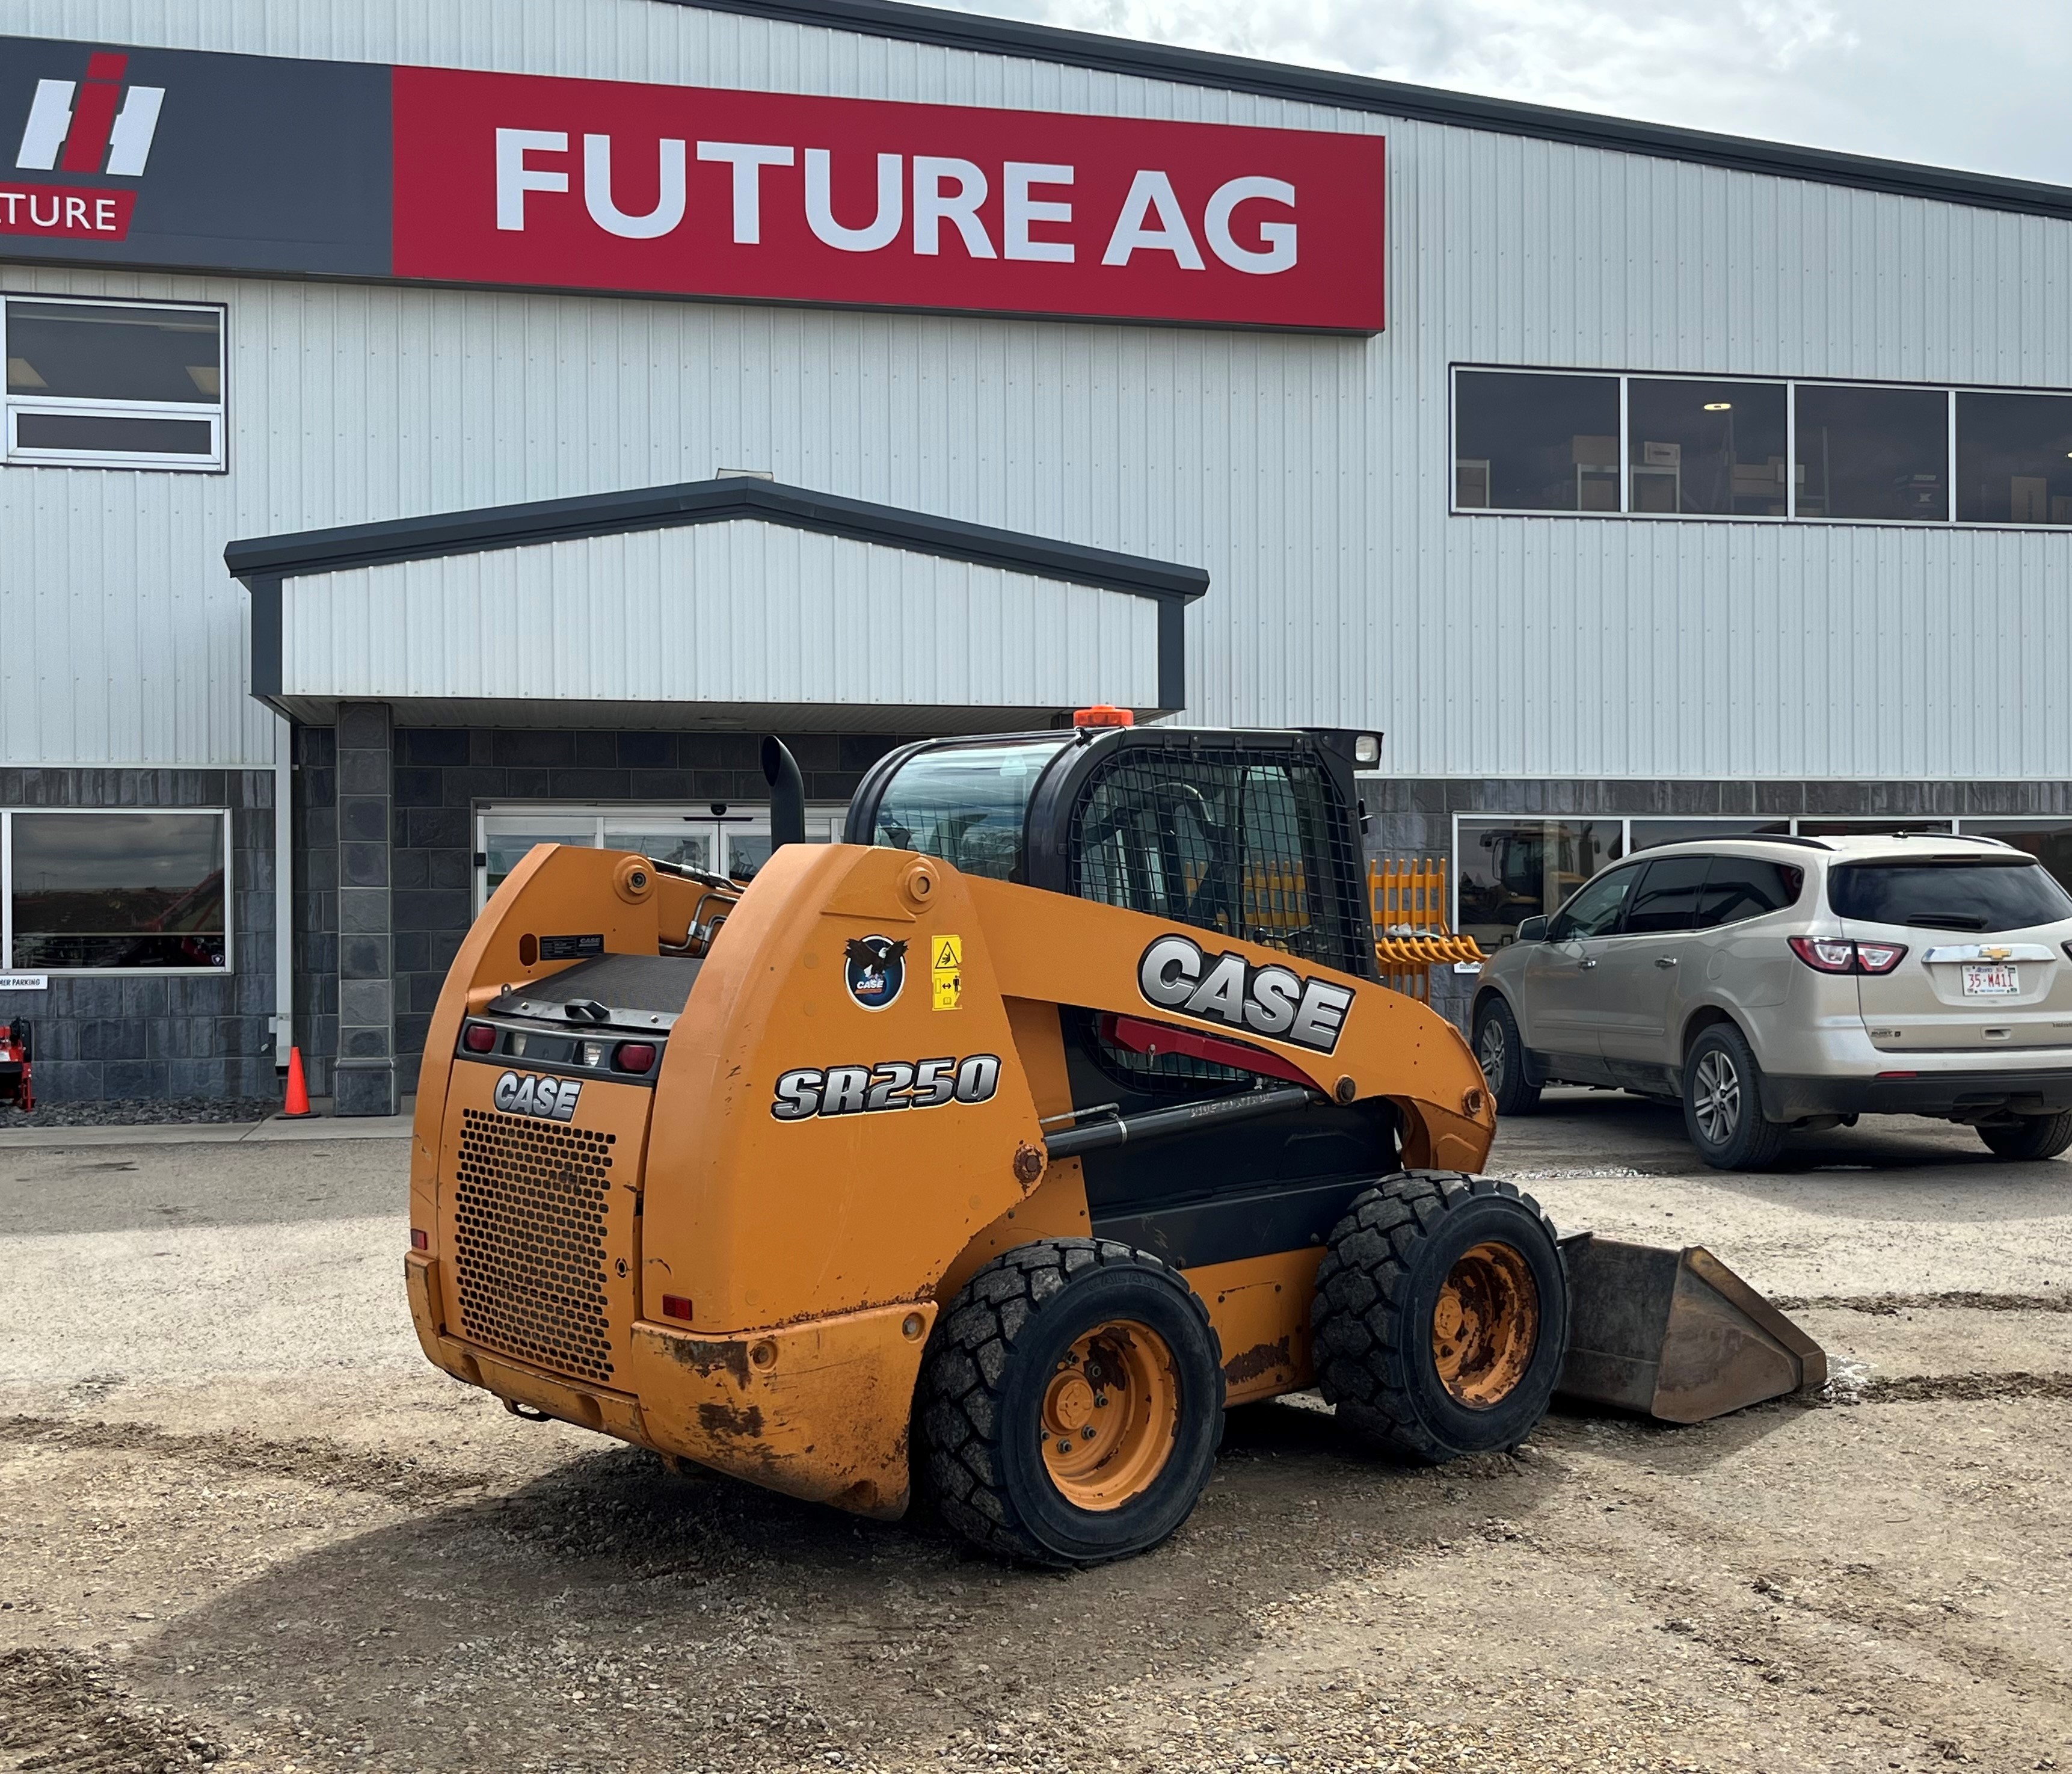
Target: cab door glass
column 1595, row 909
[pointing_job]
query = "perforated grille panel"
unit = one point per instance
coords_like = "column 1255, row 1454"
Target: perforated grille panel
column 530, row 1201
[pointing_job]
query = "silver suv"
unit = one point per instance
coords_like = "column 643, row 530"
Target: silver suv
column 1769, row 983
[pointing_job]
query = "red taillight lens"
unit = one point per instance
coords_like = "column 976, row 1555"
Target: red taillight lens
column 419, row 1239
column 478, row 1038
column 675, row 1306
column 1840, row 955
column 634, row 1056
column 1825, row 954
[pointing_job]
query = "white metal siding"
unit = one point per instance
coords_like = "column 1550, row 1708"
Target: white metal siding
column 735, row 612
column 1308, row 476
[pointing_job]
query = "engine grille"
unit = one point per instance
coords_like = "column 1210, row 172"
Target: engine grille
column 529, row 1209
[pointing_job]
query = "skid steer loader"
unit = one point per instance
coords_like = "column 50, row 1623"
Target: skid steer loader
column 1003, row 1145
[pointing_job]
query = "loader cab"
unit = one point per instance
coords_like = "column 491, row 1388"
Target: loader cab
column 1252, row 834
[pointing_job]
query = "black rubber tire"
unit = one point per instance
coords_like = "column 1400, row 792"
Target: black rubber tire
column 1741, row 1139
column 1376, row 1291
column 2029, row 1137
column 1500, row 1052
column 981, row 1397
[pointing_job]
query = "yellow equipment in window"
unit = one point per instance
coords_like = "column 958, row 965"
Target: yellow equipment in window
column 1412, row 935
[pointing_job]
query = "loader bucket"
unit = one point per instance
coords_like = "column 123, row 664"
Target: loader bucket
column 1675, row 1334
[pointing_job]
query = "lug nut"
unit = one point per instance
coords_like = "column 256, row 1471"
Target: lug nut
column 1086, row 1434
column 1064, row 1445
column 1100, row 1401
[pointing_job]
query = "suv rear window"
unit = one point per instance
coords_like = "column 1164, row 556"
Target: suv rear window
column 1982, row 893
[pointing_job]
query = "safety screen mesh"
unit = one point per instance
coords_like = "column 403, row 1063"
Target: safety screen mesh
column 1246, row 843
column 529, row 1206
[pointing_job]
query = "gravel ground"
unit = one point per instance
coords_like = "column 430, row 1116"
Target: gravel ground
column 248, row 1528
column 140, row 1112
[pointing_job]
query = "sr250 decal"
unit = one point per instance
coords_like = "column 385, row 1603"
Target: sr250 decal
column 891, row 1084
column 1176, row 975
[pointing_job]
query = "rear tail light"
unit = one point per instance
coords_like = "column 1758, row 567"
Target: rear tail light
column 419, row 1239
column 478, row 1038
column 675, row 1306
column 1840, row 955
column 634, row 1056
column 2067, row 948
column 1825, row 954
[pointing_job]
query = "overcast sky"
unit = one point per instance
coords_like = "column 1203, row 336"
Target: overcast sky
column 1962, row 84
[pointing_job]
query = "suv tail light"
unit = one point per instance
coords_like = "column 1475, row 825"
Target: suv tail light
column 1840, row 955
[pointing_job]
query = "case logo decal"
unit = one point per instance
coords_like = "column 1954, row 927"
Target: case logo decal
column 1176, row 974
column 551, row 1099
column 874, row 970
column 891, row 1084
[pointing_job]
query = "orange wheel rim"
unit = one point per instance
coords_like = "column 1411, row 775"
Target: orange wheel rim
column 1485, row 1325
column 1111, row 1416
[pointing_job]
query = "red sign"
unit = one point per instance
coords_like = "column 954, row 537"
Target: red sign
column 66, row 212
column 517, row 179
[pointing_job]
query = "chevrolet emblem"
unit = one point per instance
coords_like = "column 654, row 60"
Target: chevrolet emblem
column 1994, row 954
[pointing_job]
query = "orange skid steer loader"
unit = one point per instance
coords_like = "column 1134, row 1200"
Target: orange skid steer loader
column 1005, row 1144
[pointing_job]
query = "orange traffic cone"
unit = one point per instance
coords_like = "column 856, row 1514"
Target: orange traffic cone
column 298, row 1105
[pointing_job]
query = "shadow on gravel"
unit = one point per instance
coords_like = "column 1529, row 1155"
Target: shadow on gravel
column 612, row 1608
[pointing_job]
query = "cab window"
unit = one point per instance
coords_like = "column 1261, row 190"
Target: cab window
column 966, row 804
column 1247, row 844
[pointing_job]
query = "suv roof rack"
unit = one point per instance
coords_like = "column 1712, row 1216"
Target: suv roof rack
column 1765, row 837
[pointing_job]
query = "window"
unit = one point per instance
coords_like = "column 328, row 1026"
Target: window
column 1873, row 452
column 1855, row 828
column 2014, row 459
column 1527, row 442
column 2049, row 841
column 1715, row 449
column 734, row 842
column 966, row 804
column 1595, row 909
column 1667, row 898
column 1642, row 834
column 112, row 385
column 1985, row 893
column 115, row 891
column 1506, row 870
column 1243, row 843
column 1773, row 451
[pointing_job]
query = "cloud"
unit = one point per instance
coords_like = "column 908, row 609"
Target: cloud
column 1907, row 78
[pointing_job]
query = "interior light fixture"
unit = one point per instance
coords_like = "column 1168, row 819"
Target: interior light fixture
column 1719, row 406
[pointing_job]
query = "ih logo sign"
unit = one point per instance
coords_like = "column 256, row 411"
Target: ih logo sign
column 92, row 126
column 96, row 126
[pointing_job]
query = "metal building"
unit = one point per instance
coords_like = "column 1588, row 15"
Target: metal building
column 431, row 429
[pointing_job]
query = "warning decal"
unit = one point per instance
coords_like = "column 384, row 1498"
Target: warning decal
column 946, row 969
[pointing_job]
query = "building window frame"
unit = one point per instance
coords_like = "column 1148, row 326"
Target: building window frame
column 1953, row 391
column 215, row 413
column 221, row 814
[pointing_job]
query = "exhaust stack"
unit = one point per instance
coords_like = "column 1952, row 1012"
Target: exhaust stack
column 787, row 794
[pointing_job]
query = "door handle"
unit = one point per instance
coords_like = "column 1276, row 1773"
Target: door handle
column 1588, row 961
column 1665, row 960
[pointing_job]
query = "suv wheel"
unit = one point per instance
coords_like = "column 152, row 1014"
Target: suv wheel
column 1501, row 1055
column 1723, row 1103
column 2028, row 1136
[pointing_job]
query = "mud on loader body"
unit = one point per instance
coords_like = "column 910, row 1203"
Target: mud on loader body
column 1002, row 1146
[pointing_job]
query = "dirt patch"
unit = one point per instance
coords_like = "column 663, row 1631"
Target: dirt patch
column 1892, row 1305
column 327, row 1464
column 58, row 1712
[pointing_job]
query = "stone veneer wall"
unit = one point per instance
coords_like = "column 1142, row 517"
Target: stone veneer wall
column 441, row 774
column 142, row 1035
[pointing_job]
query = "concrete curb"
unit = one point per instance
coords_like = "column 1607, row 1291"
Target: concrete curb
column 274, row 1131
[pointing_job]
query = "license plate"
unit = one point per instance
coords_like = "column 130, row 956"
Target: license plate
column 1991, row 979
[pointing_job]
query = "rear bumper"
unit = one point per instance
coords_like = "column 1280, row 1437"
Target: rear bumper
column 1938, row 1094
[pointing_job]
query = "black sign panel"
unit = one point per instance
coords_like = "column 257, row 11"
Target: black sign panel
column 179, row 157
